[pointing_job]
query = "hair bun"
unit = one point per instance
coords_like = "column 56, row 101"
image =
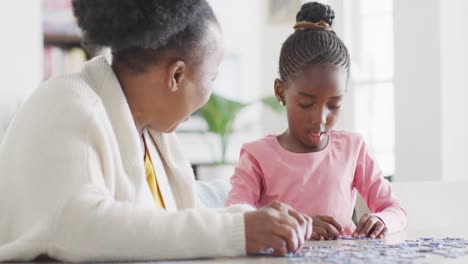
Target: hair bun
column 315, row 12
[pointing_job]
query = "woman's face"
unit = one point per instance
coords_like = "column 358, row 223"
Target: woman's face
column 196, row 87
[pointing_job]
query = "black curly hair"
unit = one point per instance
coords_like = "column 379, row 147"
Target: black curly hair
column 138, row 31
column 314, row 45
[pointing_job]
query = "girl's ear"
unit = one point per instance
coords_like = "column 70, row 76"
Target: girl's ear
column 279, row 91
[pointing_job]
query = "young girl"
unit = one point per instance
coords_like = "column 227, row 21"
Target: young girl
column 310, row 166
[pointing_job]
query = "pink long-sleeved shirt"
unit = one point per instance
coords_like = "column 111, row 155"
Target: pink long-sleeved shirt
column 317, row 183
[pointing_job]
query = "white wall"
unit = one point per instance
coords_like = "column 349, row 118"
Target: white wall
column 21, row 48
column 239, row 20
column 272, row 37
column 454, row 72
column 430, row 89
column 417, row 90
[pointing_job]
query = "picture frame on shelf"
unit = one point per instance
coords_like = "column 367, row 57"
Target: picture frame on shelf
column 283, row 11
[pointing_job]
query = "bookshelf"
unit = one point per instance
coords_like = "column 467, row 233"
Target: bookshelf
column 63, row 52
column 63, row 40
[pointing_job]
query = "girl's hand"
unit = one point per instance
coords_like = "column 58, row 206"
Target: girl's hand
column 276, row 226
column 325, row 227
column 370, row 226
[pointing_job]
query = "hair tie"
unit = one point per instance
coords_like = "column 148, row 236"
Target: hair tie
column 304, row 25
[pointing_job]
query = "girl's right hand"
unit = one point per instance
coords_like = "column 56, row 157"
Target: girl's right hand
column 276, row 226
column 325, row 227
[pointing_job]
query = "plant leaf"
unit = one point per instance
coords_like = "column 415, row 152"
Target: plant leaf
column 272, row 102
column 219, row 113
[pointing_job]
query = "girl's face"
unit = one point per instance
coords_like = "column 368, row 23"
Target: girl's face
column 313, row 101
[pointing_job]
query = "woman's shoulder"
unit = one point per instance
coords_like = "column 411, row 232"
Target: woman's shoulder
column 85, row 83
column 67, row 100
column 72, row 90
column 72, row 87
column 60, row 99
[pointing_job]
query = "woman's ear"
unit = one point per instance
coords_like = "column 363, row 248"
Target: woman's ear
column 177, row 71
column 279, row 91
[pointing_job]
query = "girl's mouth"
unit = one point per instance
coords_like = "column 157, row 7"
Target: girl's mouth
column 316, row 137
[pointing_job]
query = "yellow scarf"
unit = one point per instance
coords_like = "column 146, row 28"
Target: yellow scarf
column 151, row 179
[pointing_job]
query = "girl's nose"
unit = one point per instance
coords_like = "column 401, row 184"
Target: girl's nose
column 324, row 116
column 319, row 116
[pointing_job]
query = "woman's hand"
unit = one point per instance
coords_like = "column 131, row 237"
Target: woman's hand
column 325, row 227
column 276, row 226
column 370, row 226
column 304, row 220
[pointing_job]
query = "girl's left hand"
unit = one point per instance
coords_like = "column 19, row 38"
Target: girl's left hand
column 370, row 226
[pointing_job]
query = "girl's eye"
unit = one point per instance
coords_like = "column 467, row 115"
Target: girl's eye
column 334, row 107
column 305, row 106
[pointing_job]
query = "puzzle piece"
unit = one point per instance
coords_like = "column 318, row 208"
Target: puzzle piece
column 407, row 252
column 353, row 238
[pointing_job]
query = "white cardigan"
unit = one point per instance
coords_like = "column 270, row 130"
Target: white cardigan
column 73, row 185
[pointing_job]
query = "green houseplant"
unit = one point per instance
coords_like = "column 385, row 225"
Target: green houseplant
column 220, row 113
